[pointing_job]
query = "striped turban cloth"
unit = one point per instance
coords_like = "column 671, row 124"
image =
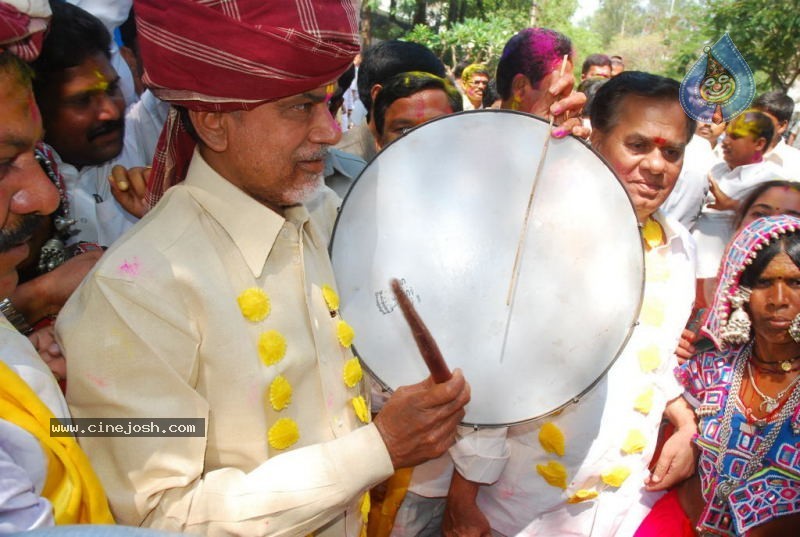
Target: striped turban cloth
column 22, row 26
column 227, row 55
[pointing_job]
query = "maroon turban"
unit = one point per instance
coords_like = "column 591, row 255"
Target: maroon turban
column 22, row 26
column 226, row 55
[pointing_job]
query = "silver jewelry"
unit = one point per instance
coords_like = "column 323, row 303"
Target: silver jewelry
column 794, row 329
column 15, row 317
column 736, row 330
column 726, row 485
column 768, row 404
column 54, row 251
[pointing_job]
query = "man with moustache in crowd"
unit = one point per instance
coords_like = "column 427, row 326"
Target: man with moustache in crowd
column 221, row 304
column 83, row 112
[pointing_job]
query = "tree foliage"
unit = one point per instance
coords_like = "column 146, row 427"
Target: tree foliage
column 766, row 33
column 660, row 36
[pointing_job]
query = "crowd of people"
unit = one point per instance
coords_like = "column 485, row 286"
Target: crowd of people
column 171, row 175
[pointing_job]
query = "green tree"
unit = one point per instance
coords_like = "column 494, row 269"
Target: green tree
column 766, row 33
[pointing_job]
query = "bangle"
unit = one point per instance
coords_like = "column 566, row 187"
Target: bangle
column 15, row 317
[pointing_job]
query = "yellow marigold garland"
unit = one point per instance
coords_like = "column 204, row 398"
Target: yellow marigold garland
column 283, row 433
column 644, row 401
column 552, row 439
column 554, row 473
column 254, row 304
column 280, row 393
column 345, row 334
column 360, row 407
column 331, row 298
column 271, row 347
column 635, row 442
column 352, row 373
column 614, row 477
column 582, row 496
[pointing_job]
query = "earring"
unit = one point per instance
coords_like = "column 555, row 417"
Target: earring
column 737, row 330
column 515, row 102
column 794, row 329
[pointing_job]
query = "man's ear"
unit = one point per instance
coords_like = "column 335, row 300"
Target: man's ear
column 519, row 85
column 596, row 139
column 211, row 128
column 762, row 144
column 374, row 91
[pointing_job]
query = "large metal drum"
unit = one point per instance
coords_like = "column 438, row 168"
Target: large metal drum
column 442, row 209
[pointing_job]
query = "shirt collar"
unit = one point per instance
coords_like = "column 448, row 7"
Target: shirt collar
column 251, row 226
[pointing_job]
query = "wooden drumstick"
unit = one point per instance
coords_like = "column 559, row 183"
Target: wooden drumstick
column 425, row 343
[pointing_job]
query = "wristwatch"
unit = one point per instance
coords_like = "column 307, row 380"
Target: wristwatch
column 15, row 317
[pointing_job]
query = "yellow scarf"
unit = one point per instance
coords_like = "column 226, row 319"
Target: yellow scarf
column 72, row 487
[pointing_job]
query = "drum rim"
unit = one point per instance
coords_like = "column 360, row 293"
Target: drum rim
column 575, row 399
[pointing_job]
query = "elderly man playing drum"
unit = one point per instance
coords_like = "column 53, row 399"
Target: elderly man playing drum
column 220, row 304
column 581, row 472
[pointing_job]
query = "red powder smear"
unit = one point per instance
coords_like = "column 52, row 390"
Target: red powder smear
column 100, row 383
column 659, row 141
column 419, row 108
column 131, row 268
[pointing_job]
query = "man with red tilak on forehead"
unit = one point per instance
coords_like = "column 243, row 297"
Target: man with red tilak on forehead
column 221, row 304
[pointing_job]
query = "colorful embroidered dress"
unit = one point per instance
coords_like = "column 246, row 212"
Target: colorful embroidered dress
column 774, row 488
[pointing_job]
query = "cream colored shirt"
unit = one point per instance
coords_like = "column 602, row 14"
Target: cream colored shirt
column 156, row 331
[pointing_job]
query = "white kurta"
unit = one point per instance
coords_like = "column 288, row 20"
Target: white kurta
column 23, row 464
column 156, row 331
column 596, row 429
column 714, row 228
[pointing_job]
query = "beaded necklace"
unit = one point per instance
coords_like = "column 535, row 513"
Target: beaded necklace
column 724, row 487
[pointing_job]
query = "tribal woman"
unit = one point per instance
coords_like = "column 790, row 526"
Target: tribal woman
column 746, row 394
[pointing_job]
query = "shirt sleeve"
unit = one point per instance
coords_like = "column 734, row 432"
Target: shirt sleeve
column 21, row 506
column 480, row 455
column 133, row 353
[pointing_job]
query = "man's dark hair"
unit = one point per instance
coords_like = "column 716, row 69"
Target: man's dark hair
column 533, row 52
column 611, row 96
column 74, row 36
column 590, row 87
column 776, row 103
column 405, row 85
column 595, row 59
column 382, row 61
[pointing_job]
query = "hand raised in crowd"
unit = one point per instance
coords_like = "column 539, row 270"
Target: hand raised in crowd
column 722, row 202
column 686, row 348
column 567, row 107
column 462, row 516
column 46, row 294
column 44, row 341
column 418, row 422
column 129, row 187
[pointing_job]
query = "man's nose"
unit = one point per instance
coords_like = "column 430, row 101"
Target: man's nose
column 34, row 192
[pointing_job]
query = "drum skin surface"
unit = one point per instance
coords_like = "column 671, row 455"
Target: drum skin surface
column 442, row 209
